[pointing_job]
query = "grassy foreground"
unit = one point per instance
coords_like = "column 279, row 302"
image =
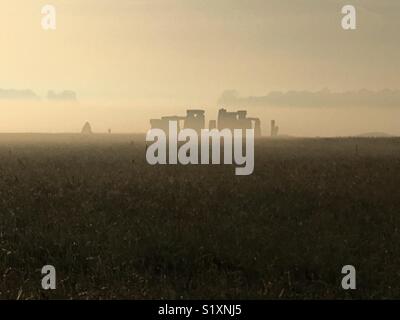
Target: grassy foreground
column 115, row 227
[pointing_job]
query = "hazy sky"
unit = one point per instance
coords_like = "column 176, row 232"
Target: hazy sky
column 185, row 53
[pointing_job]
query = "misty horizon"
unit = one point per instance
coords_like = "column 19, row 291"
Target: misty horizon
column 117, row 65
column 300, row 113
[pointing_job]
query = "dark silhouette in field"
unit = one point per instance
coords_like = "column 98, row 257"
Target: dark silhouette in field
column 195, row 119
column 238, row 120
column 274, row 129
column 87, row 129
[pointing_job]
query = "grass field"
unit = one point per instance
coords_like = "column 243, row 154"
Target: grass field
column 115, row 227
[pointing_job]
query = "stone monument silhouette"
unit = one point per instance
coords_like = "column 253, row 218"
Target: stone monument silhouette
column 87, row 129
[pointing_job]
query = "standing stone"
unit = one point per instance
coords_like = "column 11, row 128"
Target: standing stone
column 87, row 129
